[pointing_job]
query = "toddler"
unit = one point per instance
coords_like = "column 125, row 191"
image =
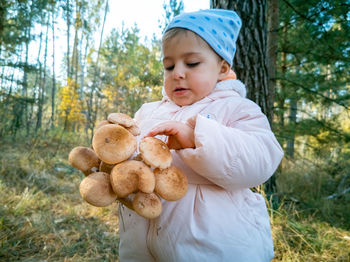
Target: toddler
column 221, row 140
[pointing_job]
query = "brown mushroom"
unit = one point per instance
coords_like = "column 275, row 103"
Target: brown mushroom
column 134, row 130
column 155, row 152
column 171, row 183
column 130, row 176
column 147, row 205
column 84, row 159
column 113, row 143
column 121, row 119
column 96, row 190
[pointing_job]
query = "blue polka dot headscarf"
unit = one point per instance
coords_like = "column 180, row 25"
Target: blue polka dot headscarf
column 218, row 27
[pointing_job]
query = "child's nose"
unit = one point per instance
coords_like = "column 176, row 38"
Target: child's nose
column 178, row 72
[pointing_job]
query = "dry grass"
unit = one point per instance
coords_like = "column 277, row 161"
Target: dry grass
column 43, row 218
column 299, row 237
column 306, row 225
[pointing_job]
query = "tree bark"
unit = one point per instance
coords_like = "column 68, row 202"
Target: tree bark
column 24, row 106
column 68, row 33
column 92, row 114
column 293, row 109
column 250, row 63
column 272, row 46
column 53, row 89
column 41, row 97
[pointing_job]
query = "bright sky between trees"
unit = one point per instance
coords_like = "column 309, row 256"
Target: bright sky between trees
column 146, row 14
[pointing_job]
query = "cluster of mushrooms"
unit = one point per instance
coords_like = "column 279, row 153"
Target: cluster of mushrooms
column 114, row 171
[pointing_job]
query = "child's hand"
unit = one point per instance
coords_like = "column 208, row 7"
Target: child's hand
column 180, row 135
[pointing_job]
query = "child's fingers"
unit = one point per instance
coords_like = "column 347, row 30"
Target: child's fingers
column 162, row 130
column 173, row 143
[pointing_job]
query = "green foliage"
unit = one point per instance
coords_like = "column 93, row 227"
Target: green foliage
column 132, row 72
column 312, row 102
column 70, row 107
column 314, row 61
column 171, row 8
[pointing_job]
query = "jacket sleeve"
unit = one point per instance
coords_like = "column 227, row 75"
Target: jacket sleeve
column 240, row 154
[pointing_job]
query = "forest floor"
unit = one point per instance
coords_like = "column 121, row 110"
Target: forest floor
column 43, row 218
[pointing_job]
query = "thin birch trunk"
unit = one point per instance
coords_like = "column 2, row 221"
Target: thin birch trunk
column 41, row 100
column 53, row 89
column 91, row 114
column 68, row 34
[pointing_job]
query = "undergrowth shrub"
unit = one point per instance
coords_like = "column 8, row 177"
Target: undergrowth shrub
column 318, row 188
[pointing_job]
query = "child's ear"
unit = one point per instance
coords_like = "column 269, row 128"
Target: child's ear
column 224, row 71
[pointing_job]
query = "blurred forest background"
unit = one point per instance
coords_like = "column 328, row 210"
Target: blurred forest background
column 294, row 57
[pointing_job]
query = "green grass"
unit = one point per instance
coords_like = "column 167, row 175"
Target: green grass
column 43, row 218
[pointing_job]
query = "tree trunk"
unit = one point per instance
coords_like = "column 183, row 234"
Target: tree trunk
column 24, row 106
column 292, row 123
column 272, row 46
column 250, row 63
column 53, row 89
column 92, row 114
column 42, row 90
column 68, row 33
column 74, row 61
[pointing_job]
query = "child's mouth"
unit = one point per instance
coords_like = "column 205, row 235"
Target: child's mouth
column 180, row 91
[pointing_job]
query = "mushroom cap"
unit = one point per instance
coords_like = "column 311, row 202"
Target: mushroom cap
column 104, row 167
column 113, row 143
column 101, row 123
column 84, row 159
column 171, row 183
column 132, row 175
column 147, row 205
column 155, row 152
column 134, row 130
column 121, row 119
column 96, row 190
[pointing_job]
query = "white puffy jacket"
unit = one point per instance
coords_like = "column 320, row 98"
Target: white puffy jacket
column 220, row 218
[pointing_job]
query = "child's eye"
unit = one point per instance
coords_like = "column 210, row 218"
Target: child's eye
column 192, row 64
column 169, row 68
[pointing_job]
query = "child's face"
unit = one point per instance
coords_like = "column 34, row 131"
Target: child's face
column 191, row 68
